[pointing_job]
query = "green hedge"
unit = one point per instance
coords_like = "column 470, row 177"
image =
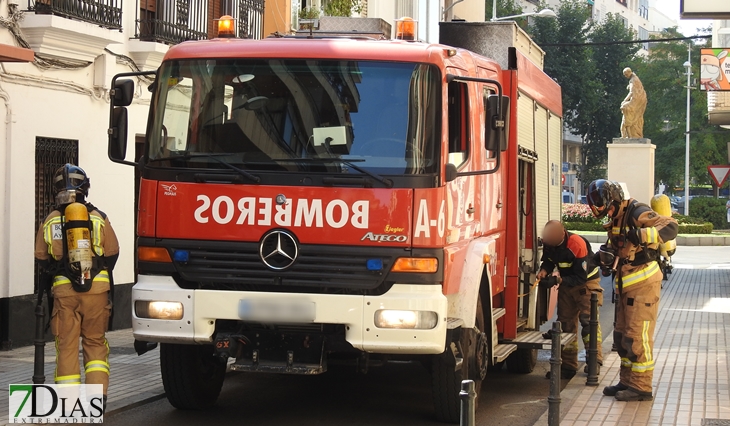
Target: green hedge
column 693, row 228
column 682, row 219
column 709, row 210
column 687, row 228
column 582, row 226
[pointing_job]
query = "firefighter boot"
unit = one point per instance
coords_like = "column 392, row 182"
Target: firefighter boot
column 615, row 389
column 629, row 395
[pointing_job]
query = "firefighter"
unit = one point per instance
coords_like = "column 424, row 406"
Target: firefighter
column 635, row 232
column 81, row 302
column 578, row 278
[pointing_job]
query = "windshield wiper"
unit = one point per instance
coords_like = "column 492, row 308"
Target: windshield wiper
column 385, row 181
column 213, row 156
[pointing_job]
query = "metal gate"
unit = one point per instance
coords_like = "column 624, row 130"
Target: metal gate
column 50, row 154
column 249, row 17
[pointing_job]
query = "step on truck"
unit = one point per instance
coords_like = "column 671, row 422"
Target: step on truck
column 309, row 201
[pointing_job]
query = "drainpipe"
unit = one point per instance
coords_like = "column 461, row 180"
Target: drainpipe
column 5, row 342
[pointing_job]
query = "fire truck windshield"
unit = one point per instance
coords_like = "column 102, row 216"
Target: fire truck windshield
column 266, row 114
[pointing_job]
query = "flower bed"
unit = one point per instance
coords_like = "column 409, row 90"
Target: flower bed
column 579, row 213
column 578, row 217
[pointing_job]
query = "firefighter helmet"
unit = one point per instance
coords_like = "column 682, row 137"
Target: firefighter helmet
column 70, row 178
column 602, row 194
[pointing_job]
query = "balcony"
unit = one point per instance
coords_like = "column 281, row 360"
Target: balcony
column 105, row 13
column 175, row 21
column 75, row 30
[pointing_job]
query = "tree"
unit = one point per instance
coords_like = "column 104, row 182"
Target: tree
column 663, row 74
column 571, row 66
column 610, row 60
column 342, row 7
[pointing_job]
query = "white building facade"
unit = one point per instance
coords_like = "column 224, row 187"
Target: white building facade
column 57, row 111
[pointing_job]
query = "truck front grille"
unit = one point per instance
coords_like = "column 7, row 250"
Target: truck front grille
column 318, row 269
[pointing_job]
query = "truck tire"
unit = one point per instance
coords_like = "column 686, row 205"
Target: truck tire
column 522, row 361
column 446, row 381
column 192, row 377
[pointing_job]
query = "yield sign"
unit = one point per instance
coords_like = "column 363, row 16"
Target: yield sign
column 719, row 173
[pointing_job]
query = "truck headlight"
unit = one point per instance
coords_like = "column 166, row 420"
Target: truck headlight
column 391, row 318
column 158, row 309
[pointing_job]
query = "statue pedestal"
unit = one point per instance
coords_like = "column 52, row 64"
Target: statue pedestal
column 631, row 161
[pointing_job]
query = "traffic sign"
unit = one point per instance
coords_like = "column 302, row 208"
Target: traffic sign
column 719, row 173
column 562, row 179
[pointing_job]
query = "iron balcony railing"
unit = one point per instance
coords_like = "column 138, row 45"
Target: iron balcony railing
column 175, row 21
column 105, row 13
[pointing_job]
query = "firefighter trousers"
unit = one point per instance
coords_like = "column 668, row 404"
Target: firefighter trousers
column 636, row 313
column 574, row 307
column 81, row 315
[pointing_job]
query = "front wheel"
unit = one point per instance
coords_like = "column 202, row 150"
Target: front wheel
column 191, row 374
column 446, row 379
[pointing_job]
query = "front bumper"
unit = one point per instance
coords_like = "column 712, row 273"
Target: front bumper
column 201, row 309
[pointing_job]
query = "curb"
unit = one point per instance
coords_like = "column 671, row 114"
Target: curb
column 682, row 240
column 570, row 393
column 567, row 398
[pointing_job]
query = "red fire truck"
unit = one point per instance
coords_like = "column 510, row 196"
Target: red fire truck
column 305, row 200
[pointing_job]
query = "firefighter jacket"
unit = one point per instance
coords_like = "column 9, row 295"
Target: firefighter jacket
column 637, row 262
column 49, row 249
column 573, row 258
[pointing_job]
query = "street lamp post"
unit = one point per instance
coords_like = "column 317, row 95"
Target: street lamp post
column 545, row 13
column 688, row 66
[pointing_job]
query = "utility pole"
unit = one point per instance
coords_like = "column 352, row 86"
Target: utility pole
column 688, row 66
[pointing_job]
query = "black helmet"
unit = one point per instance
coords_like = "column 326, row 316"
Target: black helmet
column 71, row 178
column 601, row 194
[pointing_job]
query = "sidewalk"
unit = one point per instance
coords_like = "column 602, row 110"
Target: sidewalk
column 134, row 379
column 691, row 376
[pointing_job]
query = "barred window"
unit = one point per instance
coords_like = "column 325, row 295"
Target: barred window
column 50, row 154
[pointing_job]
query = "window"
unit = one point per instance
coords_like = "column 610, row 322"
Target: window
column 289, row 115
column 50, row 154
column 458, row 104
column 644, row 35
column 405, row 8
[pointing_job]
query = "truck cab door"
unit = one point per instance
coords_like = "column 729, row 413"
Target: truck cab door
column 461, row 210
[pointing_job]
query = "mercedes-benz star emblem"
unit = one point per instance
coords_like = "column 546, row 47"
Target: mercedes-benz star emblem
column 278, row 249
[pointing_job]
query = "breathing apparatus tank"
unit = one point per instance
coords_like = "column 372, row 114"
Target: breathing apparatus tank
column 78, row 243
column 660, row 204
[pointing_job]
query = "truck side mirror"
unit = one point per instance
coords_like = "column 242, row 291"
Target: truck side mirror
column 497, row 120
column 123, row 92
column 118, row 135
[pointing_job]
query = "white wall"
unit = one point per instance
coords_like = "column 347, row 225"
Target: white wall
column 48, row 103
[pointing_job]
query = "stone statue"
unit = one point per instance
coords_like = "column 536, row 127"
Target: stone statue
column 633, row 107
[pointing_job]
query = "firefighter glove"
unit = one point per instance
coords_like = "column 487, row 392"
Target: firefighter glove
column 634, row 235
column 548, row 282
